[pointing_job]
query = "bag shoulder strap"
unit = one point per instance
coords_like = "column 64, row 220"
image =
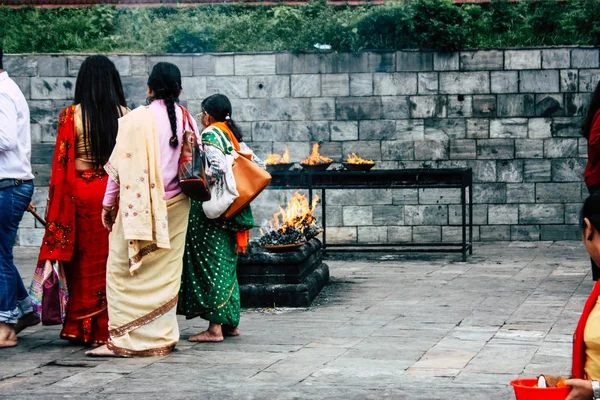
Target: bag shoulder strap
column 187, row 119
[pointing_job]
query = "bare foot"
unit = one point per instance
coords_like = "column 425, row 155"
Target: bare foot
column 229, row 330
column 206, row 336
column 26, row 321
column 8, row 337
column 102, row 351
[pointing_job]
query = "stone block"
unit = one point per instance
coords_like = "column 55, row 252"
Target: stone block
column 139, row 66
column 395, row 150
column 288, row 109
column 516, row 105
column 444, row 129
column 489, row 193
column 537, row 170
column 460, row 106
column 509, row 171
column 341, row 235
column 560, row 148
column 427, row 234
column 20, row 65
column 357, row 215
column 529, row 148
column 481, row 60
column 307, row 85
column 335, row 63
column 382, row 61
column 582, row 145
column 357, row 108
column 52, row 88
column 569, row 80
column 549, row 105
column 414, row 61
column 508, row 128
column 283, row 63
column 445, row 61
column 463, row 149
column 525, row 233
column 268, row 131
column 184, row 63
column 405, row 196
column 400, row 234
column 585, row 58
column 566, row 127
column 427, row 106
column 372, row 234
column 439, row 196
column 230, row 86
column 576, row 104
column 388, row 215
column 395, row 107
column 503, row 214
column 42, row 112
column 494, row 233
column 483, row 171
column 30, row 237
column 428, row 83
column 556, row 58
column 453, row 234
column 545, row 81
column 335, row 85
column 249, row 109
column 464, row 82
column 394, row 84
column 560, row 232
column 376, row 130
column 255, row 64
column 480, row 214
column 193, row 88
column 224, row 65
column 431, row 150
column 369, row 150
column 478, row 128
column 203, row 65
column 262, row 149
column 588, row 79
column 368, row 197
column 539, row 128
column 568, row 169
column 557, row 192
column 306, row 63
column 315, row 131
column 504, row 81
column 541, row 213
column 410, row 129
column 361, row 84
column 520, row 193
column 24, row 84
column 572, row 212
column 322, row 108
column 332, row 150
column 341, row 197
column 52, row 66
column 522, row 59
column 494, row 149
column 343, row 130
column 426, row 215
column 484, row 106
column 272, row 86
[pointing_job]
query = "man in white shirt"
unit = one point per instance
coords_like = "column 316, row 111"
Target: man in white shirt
column 16, row 189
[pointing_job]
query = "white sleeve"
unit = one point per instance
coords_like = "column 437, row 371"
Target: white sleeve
column 8, row 124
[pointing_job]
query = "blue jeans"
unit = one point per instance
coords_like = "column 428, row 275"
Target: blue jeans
column 14, row 299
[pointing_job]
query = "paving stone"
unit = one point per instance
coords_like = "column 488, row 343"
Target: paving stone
column 394, row 84
column 556, row 58
column 464, row 82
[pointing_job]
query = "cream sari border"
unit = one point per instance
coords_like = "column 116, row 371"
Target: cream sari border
column 145, row 319
column 155, row 352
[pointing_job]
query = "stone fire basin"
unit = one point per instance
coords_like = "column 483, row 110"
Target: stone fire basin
column 289, row 279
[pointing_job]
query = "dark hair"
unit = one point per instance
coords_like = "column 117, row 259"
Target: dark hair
column 218, row 106
column 165, row 82
column 591, row 211
column 1, row 56
column 593, row 108
column 99, row 93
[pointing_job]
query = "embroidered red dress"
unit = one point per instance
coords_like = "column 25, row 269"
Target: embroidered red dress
column 75, row 235
column 579, row 355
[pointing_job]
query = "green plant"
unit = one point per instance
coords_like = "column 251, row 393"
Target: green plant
column 390, row 26
column 439, row 24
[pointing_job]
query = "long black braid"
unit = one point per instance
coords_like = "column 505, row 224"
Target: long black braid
column 165, row 82
column 218, row 106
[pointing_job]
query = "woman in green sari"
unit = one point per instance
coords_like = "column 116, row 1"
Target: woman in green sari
column 209, row 287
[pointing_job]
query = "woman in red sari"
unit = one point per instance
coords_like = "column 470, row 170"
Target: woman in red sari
column 74, row 233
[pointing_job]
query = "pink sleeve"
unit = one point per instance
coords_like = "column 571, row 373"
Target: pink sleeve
column 110, row 196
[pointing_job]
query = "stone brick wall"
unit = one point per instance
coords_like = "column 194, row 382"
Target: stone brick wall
column 513, row 116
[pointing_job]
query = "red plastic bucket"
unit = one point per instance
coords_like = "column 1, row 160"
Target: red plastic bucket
column 525, row 390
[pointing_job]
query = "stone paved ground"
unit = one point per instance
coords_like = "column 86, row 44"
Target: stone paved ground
column 392, row 327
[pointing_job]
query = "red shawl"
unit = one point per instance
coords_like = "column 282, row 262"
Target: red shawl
column 59, row 237
column 578, row 369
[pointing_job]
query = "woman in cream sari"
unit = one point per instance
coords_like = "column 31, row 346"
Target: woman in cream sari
column 148, row 233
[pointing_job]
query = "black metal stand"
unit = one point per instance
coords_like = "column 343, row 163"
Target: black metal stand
column 458, row 178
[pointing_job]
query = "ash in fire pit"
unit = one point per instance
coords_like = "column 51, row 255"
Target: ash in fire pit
column 294, row 225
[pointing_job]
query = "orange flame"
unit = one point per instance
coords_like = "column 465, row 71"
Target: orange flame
column 315, row 157
column 274, row 159
column 354, row 159
column 297, row 213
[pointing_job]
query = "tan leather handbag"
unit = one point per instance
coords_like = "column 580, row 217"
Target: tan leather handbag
column 192, row 178
column 250, row 180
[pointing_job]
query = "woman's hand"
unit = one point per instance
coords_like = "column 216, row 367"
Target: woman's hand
column 581, row 389
column 109, row 215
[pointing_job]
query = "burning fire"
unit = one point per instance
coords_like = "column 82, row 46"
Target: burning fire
column 354, row 159
column 274, row 159
column 315, row 157
column 292, row 225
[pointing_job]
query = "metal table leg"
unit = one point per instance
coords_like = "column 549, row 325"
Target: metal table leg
column 464, row 222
